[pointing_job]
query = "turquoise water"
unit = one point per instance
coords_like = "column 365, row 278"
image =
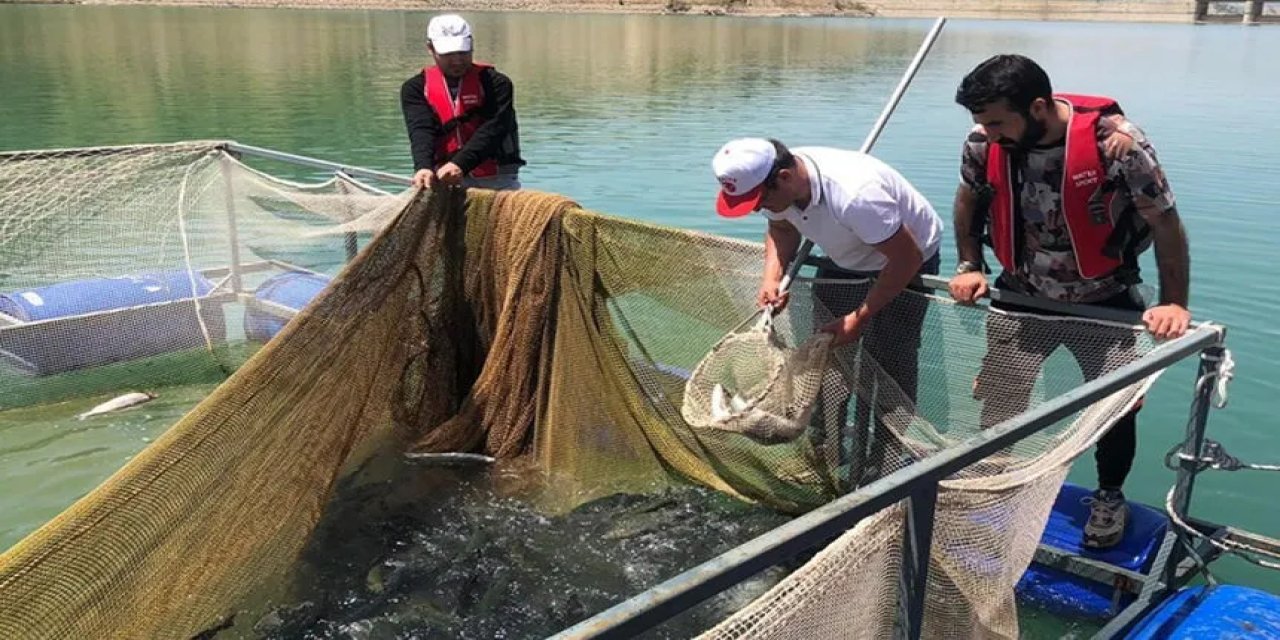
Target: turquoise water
column 623, row 112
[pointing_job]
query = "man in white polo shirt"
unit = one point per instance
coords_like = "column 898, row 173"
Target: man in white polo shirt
column 868, row 220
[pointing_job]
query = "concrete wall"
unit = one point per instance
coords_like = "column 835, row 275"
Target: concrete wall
column 1090, row 10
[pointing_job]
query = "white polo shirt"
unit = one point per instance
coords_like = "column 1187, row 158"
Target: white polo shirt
column 857, row 201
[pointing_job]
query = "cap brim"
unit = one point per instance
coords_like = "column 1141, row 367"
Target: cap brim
column 449, row 45
column 739, row 205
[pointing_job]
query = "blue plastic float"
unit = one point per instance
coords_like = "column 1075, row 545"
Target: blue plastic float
column 96, row 321
column 1225, row 611
column 1062, row 593
column 292, row 290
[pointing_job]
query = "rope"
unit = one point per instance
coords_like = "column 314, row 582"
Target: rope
column 1221, row 375
column 186, row 250
column 1238, row 549
column 1214, row 456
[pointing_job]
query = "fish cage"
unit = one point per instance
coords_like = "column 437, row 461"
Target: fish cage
column 347, row 319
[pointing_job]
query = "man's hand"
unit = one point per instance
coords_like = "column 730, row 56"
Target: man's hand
column 768, row 294
column 845, row 329
column 1117, row 145
column 449, row 174
column 1167, row 321
column 424, row 178
column 966, row 288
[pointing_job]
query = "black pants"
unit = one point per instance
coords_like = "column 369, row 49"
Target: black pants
column 1012, row 364
column 892, row 339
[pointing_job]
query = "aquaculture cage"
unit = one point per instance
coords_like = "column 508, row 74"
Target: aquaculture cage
column 458, row 413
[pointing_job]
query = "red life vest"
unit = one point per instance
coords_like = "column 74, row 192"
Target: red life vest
column 1085, row 206
column 470, row 98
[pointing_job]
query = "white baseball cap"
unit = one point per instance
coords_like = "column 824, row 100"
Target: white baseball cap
column 449, row 33
column 742, row 166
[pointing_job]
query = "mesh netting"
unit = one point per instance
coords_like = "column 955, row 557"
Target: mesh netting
column 751, row 383
column 513, row 324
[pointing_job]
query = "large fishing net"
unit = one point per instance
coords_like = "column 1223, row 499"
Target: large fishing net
column 348, row 325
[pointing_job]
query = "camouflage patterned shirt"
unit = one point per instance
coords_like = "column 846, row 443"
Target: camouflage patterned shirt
column 1048, row 266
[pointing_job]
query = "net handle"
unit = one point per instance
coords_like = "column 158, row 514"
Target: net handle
column 807, row 245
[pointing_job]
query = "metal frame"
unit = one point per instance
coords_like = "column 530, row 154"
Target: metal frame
column 919, row 482
column 359, row 172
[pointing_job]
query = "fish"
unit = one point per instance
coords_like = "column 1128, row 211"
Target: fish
column 739, row 596
column 449, row 459
column 115, row 404
column 221, row 625
column 723, row 405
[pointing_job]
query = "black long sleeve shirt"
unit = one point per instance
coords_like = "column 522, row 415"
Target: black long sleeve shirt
column 496, row 138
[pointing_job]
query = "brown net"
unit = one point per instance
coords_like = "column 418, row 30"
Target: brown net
column 513, row 324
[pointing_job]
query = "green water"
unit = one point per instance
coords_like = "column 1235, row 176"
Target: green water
column 623, row 113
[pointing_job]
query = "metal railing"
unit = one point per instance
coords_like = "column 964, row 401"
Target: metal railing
column 358, row 172
column 917, row 483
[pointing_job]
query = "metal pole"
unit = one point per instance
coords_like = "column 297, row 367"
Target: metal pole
column 1210, row 359
column 807, row 245
column 918, row 540
column 233, row 235
column 317, row 163
column 349, row 240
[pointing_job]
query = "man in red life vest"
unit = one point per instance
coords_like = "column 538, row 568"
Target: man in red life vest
column 460, row 115
column 1066, row 203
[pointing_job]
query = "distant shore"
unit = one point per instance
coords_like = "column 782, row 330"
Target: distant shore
column 1168, row 11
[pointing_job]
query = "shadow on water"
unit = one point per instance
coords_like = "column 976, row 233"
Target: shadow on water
column 445, row 552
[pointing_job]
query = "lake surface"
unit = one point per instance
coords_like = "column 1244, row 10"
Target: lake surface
column 623, row 112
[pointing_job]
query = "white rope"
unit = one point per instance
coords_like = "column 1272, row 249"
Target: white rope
column 1225, row 371
column 186, row 249
column 1228, row 546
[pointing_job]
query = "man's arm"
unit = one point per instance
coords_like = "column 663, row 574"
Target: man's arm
column 420, row 121
column 966, row 288
column 1153, row 199
column 962, row 210
column 1173, row 259
column 903, row 263
column 781, row 241
column 500, row 119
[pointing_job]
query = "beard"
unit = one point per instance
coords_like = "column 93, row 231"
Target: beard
column 1031, row 135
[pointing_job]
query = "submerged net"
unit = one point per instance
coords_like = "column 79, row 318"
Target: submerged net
column 513, row 324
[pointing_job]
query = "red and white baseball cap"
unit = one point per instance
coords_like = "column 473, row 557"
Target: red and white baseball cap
column 742, row 166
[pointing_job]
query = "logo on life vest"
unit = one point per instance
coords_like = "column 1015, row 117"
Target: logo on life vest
column 1084, row 178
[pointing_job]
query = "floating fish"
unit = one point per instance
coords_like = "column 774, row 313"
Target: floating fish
column 449, row 458
column 115, row 404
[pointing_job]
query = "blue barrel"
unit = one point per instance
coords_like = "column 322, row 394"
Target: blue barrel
column 1222, row 611
column 292, row 289
column 98, row 321
column 101, row 294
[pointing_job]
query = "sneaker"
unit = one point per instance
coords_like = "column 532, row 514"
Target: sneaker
column 1108, row 516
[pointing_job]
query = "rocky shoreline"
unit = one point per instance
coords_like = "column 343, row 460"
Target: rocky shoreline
column 1049, row 10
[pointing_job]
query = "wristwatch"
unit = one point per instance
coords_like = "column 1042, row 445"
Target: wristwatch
column 966, row 266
